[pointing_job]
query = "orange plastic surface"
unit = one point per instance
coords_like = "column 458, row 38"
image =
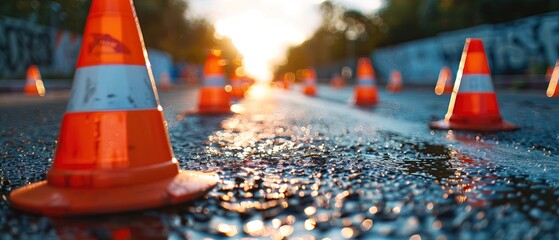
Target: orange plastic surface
column 34, row 84
column 476, row 111
column 112, row 149
column 286, row 84
column 33, row 73
column 474, row 60
column 553, row 87
column 309, row 90
column 214, row 100
column 44, row 198
column 365, row 68
column 213, row 64
column 444, row 84
column 237, row 90
column 112, row 35
column 474, row 108
column 36, row 88
column 309, row 73
column 366, row 95
column 110, row 162
column 395, row 84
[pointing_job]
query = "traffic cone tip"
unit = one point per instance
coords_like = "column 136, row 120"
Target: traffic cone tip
column 474, row 59
column 105, row 42
column 474, row 45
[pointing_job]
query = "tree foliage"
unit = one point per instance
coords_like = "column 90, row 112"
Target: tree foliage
column 67, row 14
column 348, row 34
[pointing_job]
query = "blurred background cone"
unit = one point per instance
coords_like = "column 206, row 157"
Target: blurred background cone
column 237, row 90
column 337, row 81
column 165, row 82
column 444, row 83
column 366, row 92
column 552, row 88
column 395, row 83
column 288, row 78
column 34, row 84
column 113, row 151
column 473, row 104
column 213, row 98
column 309, row 82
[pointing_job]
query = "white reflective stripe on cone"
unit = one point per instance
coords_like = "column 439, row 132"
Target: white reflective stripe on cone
column 310, row 81
column 475, row 83
column 366, row 81
column 112, row 87
column 214, row 81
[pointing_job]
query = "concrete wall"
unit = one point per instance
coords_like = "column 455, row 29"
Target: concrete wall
column 161, row 62
column 523, row 46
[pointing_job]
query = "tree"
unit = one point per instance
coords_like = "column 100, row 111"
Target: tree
column 349, row 33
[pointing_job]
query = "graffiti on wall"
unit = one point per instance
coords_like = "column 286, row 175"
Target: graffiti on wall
column 54, row 51
column 415, row 60
column 517, row 47
column 23, row 43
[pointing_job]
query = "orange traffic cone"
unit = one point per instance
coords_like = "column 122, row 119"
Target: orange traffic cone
column 395, row 84
column 473, row 104
column 165, row 82
column 337, row 81
column 286, row 84
column 34, row 84
column 444, row 83
column 366, row 93
column 309, row 82
column 213, row 97
column 288, row 78
column 113, row 151
column 553, row 88
column 237, row 91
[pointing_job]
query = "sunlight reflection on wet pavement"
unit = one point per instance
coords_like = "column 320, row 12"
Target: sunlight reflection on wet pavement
column 292, row 168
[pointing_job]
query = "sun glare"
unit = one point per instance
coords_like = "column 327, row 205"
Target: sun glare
column 260, row 40
column 263, row 30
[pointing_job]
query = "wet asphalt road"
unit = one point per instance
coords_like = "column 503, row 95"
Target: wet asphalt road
column 298, row 167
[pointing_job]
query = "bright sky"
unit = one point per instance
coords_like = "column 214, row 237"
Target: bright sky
column 262, row 30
